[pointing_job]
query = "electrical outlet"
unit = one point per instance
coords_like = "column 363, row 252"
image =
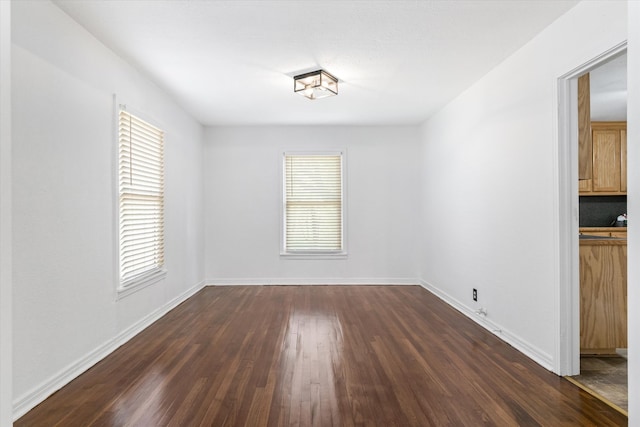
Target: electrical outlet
column 475, row 294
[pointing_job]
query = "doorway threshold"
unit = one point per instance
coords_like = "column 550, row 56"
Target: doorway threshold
column 604, row 377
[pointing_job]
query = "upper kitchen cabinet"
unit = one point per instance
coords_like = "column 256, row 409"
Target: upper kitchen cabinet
column 602, row 129
column 608, row 160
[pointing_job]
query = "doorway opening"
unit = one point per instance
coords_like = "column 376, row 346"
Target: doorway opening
column 585, row 340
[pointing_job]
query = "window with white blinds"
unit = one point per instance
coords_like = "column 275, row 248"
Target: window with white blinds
column 313, row 203
column 141, row 195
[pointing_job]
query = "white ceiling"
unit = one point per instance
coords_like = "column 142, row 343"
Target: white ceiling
column 232, row 62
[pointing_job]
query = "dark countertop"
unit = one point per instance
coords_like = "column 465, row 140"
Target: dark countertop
column 590, row 237
column 587, row 240
column 602, row 228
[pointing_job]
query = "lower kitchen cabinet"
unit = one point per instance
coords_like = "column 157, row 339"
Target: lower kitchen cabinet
column 603, row 296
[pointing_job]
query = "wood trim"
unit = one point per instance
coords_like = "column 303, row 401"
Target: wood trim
column 588, row 229
column 608, row 125
column 597, row 395
column 605, row 241
column 604, row 193
column 599, row 351
column 619, row 232
column 584, row 128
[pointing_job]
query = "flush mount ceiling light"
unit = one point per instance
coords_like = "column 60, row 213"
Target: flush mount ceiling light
column 315, row 85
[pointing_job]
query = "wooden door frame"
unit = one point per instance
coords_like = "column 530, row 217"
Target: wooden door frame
column 568, row 320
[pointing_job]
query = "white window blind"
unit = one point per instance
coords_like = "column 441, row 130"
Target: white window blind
column 313, row 203
column 141, row 183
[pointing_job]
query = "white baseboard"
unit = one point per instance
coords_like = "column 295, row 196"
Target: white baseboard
column 275, row 281
column 542, row 358
column 29, row 400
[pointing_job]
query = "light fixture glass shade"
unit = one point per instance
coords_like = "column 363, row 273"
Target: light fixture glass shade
column 316, row 84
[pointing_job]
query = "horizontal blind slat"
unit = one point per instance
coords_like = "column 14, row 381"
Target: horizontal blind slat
column 141, row 183
column 313, row 202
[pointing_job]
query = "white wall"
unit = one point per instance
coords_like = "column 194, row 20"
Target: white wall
column 490, row 165
column 481, row 178
column 6, row 341
column 66, row 315
column 242, row 207
column 633, row 205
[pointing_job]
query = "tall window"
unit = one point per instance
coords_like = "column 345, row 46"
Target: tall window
column 313, row 204
column 141, row 183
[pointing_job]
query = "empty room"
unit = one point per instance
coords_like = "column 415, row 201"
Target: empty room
column 325, row 213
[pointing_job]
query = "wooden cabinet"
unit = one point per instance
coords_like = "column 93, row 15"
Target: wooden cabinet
column 603, row 296
column 623, row 159
column 608, row 160
column 585, row 164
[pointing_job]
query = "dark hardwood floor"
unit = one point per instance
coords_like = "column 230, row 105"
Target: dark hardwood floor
column 318, row 356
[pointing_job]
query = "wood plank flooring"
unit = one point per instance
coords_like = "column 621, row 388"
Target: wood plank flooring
column 318, row 356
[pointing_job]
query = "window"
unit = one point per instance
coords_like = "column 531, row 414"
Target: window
column 313, row 215
column 141, row 201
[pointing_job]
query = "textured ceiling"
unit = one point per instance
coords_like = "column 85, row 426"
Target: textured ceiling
column 232, row 62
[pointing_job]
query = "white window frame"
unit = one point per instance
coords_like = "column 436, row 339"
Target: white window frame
column 337, row 254
column 154, row 275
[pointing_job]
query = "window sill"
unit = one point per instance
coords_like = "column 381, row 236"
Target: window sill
column 311, row 255
column 134, row 285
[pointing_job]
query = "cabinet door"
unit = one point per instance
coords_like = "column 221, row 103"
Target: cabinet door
column 606, row 161
column 603, row 298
